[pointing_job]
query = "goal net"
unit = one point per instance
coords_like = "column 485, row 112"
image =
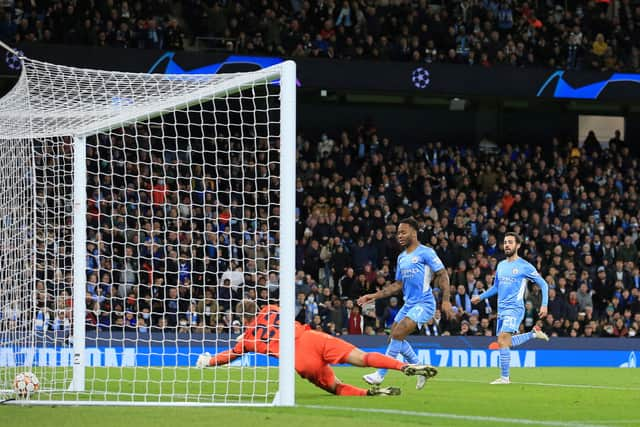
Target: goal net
column 136, row 211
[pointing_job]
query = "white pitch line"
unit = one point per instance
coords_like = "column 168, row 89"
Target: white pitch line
column 476, row 418
column 602, row 387
column 630, row 422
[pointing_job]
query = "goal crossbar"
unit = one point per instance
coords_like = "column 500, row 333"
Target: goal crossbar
column 84, row 118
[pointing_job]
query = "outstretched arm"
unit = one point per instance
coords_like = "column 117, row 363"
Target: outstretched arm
column 490, row 292
column 385, row 292
column 224, row 357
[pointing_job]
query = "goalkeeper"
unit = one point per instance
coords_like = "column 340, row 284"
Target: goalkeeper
column 315, row 351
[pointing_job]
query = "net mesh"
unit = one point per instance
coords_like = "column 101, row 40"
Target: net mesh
column 182, row 187
column 56, row 100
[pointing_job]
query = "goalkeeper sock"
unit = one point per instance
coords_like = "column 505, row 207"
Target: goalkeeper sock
column 516, row 340
column 395, row 347
column 409, row 354
column 505, row 360
column 377, row 360
column 349, row 390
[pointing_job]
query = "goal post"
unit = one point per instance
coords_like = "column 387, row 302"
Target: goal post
column 137, row 210
column 288, row 232
column 79, row 262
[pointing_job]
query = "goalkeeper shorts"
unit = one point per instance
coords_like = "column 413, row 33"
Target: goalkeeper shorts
column 315, row 351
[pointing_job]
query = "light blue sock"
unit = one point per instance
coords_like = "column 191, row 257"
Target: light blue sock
column 409, row 354
column 505, row 360
column 516, row 340
column 394, row 348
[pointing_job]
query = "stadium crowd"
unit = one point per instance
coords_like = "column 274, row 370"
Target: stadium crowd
column 576, row 207
column 146, row 24
column 596, row 34
column 170, row 245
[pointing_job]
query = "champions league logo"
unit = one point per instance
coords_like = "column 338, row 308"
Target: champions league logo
column 631, row 362
column 167, row 64
column 420, row 78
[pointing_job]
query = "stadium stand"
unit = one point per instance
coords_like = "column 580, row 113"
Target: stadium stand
column 601, row 35
column 576, row 207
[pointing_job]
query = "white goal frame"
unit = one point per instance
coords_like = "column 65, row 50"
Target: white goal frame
column 286, row 74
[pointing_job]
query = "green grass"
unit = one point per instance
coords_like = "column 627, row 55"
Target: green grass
column 555, row 396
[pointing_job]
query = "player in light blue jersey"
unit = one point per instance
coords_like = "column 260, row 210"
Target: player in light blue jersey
column 510, row 284
column 417, row 267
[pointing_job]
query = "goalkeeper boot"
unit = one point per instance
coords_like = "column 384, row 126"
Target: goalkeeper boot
column 383, row 391
column 373, row 379
column 537, row 333
column 203, row 360
column 426, row 371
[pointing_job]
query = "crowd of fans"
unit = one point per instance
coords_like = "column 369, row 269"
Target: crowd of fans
column 596, row 34
column 576, row 207
column 177, row 237
column 144, row 24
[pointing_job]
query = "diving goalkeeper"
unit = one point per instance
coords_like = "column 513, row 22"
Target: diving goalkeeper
column 315, row 351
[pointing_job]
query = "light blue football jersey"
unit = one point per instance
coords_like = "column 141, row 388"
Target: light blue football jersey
column 415, row 270
column 511, row 284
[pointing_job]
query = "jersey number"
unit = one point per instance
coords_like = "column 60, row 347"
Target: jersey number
column 509, row 323
column 267, row 330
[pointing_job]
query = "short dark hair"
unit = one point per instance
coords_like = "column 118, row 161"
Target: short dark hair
column 247, row 308
column 411, row 222
column 515, row 236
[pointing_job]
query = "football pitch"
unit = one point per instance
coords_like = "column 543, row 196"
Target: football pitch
column 456, row 397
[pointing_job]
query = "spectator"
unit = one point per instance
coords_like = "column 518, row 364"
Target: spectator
column 569, row 208
column 300, row 311
column 347, row 285
column 628, row 252
column 535, row 296
column 173, row 36
column 620, row 274
column 572, row 307
column 356, row 321
column 529, row 315
column 390, row 312
column 523, row 37
column 311, row 309
column 557, row 306
column 599, row 47
column 603, row 289
column 463, row 301
column 619, row 329
column 339, row 316
column 583, row 297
